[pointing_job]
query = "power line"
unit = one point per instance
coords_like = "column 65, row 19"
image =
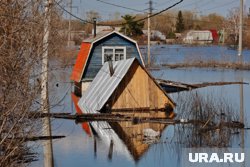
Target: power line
column 163, row 3
column 85, row 21
column 120, row 24
column 157, row 13
column 152, row 15
column 223, row 5
column 124, row 7
column 194, row 3
column 89, row 22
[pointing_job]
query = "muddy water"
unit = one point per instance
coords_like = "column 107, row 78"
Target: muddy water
column 78, row 148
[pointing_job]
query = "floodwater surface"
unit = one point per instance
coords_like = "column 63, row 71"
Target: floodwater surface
column 81, row 149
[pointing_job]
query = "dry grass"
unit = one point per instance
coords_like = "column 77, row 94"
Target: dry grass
column 211, row 64
column 210, row 117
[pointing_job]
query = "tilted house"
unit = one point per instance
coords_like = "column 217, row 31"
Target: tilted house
column 93, row 54
column 129, row 88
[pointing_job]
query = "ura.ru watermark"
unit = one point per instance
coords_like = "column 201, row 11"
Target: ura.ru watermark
column 216, row 158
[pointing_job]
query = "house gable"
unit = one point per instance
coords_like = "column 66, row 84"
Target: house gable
column 94, row 63
column 139, row 90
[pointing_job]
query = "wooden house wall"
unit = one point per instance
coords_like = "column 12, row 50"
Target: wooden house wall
column 94, row 63
column 138, row 90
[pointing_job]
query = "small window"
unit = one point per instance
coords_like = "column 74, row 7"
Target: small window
column 113, row 53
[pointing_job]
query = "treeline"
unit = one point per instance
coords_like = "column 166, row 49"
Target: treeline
column 172, row 22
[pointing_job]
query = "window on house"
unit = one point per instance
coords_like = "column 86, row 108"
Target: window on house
column 113, row 53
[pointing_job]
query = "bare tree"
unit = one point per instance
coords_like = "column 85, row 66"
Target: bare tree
column 232, row 26
column 21, row 33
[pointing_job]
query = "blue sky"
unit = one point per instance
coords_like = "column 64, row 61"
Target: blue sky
column 200, row 6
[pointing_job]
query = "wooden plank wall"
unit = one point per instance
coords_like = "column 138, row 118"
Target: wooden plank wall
column 138, row 90
column 94, row 63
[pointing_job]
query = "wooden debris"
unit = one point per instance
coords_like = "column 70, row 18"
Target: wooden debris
column 42, row 115
column 173, row 86
column 36, row 138
column 136, row 120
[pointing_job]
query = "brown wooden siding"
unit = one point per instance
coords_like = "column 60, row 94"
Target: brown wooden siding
column 138, row 90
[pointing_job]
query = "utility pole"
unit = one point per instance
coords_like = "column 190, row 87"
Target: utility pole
column 149, row 29
column 223, row 36
column 240, row 29
column 94, row 20
column 69, row 33
column 248, row 13
column 47, row 144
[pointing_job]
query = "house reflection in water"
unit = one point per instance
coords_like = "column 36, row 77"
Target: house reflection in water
column 123, row 138
column 139, row 137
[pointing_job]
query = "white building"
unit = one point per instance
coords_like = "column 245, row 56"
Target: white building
column 106, row 28
column 198, row 37
column 155, row 34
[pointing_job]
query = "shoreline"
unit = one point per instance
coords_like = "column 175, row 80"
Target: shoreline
column 210, row 64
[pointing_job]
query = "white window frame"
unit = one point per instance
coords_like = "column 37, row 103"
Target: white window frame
column 114, row 48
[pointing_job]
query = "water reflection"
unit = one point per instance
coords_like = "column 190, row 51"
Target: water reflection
column 125, row 138
column 111, row 141
column 242, row 119
column 82, row 148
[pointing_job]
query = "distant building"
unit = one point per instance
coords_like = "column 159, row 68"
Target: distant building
column 198, row 37
column 93, row 54
column 178, row 35
column 215, row 35
column 100, row 29
column 155, row 34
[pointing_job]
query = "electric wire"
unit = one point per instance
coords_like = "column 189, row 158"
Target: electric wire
column 223, row 5
column 85, row 21
column 124, row 7
column 120, row 24
column 142, row 19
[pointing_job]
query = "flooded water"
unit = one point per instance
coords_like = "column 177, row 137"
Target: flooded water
column 169, row 54
column 82, row 149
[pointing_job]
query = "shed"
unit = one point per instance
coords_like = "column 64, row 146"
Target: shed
column 198, row 37
column 130, row 88
column 93, row 53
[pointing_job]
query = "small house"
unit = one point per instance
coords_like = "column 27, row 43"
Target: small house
column 198, row 37
column 125, row 87
column 155, row 34
column 130, row 88
column 131, row 91
column 94, row 52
